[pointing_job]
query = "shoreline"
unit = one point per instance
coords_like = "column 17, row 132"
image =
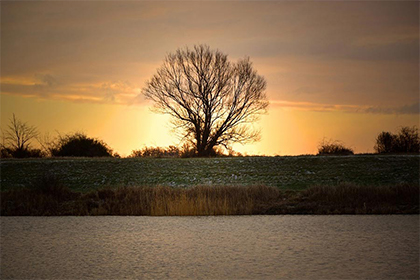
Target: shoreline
column 52, row 199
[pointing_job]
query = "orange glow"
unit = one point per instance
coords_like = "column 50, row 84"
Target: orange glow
column 284, row 131
column 329, row 74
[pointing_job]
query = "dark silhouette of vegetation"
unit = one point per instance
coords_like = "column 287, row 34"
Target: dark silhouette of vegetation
column 212, row 101
column 334, row 148
column 186, row 151
column 17, row 140
column 157, row 152
column 54, row 199
column 79, row 145
column 385, row 143
column 348, row 198
column 406, row 141
column 7, row 152
column 49, row 184
column 18, row 137
column 47, row 143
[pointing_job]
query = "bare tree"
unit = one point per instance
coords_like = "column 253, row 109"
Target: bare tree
column 211, row 100
column 47, row 143
column 18, row 134
column 385, row 143
column 406, row 141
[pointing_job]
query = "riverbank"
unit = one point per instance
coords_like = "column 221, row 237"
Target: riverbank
column 50, row 198
column 294, row 172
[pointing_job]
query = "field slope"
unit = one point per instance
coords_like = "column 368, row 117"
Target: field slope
column 282, row 172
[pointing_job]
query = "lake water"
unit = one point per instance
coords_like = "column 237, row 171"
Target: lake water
column 262, row 247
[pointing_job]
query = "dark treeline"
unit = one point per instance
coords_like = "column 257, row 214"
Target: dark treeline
column 405, row 141
column 18, row 139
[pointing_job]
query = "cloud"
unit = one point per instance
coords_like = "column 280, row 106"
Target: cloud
column 310, row 52
column 411, row 109
column 114, row 90
column 46, row 80
column 307, row 90
column 44, row 84
column 47, row 86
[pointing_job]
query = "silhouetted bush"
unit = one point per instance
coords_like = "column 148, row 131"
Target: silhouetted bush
column 186, row 151
column 27, row 153
column 333, row 148
column 189, row 150
column 79, row 145
column 385, row 142
column 406, row 141
column 157, row 152
column 7, row 152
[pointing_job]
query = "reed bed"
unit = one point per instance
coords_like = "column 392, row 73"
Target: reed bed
column 356, row 199
column 152, row 201
column 51, row 198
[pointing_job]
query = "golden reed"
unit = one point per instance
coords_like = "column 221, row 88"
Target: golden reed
column 55, row 199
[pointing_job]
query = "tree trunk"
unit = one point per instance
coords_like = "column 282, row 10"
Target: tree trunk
column 205, row 151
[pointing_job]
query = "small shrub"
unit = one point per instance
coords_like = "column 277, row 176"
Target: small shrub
column 27, row 153
column 188, row 151
column 6, row 153
column 185, row 151
column 157, row 152
column 21, row 153
column 333, row 148
column 135, row 153
column 79, row 145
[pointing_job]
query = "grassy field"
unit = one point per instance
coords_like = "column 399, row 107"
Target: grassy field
column 281, row 172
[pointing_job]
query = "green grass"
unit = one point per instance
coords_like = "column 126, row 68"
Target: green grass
column 86, row 174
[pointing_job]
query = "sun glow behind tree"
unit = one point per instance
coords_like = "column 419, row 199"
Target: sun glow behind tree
column 78, row 66
column 212, row 101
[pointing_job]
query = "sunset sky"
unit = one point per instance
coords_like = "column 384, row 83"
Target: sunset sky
column 336, row 70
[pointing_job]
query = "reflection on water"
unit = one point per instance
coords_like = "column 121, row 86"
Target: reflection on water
column 304, row 247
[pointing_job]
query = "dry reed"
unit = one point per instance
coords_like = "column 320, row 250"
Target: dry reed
column 55, row 199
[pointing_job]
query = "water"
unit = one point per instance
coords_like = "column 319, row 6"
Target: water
column 258, row 247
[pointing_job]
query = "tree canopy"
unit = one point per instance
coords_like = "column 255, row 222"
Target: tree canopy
column 406, row 141
column 212, row 101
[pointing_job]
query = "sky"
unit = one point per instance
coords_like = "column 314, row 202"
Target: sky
column 339, row 70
